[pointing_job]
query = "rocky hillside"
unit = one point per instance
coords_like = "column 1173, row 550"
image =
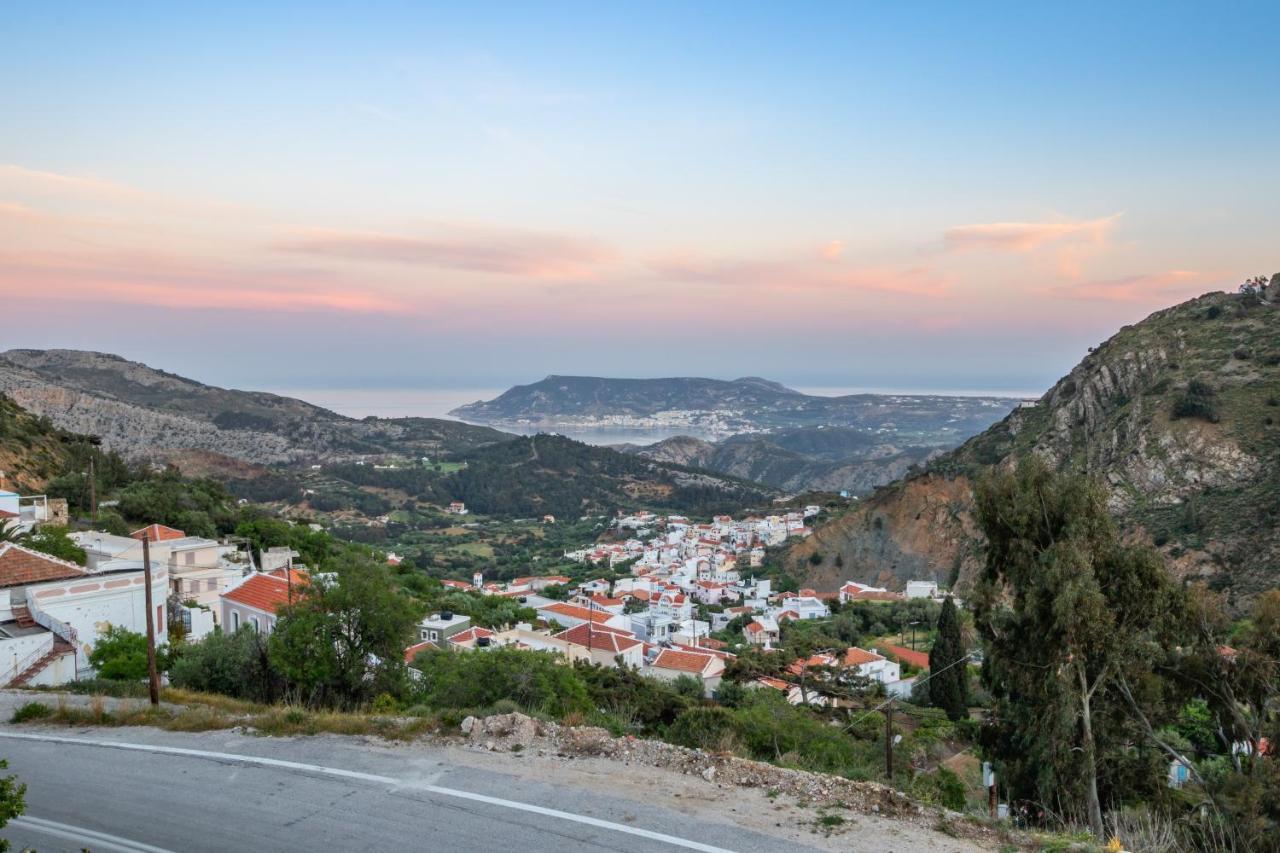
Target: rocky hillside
column 1179, row 415
column 143, row 412
column 808, row 459
column 31, row 449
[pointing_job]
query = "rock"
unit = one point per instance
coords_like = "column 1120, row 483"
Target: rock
column 468, row 724
column 709, row 774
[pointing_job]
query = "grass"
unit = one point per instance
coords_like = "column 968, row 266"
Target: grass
column 198, row 712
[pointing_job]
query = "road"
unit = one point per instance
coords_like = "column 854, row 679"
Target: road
column 149, row 790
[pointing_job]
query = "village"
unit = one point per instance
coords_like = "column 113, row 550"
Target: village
column 685, row 582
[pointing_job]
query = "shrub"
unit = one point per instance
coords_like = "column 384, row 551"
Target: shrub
column 231, row 664
column 120, row 654
column 703, row 728
column 30, row 711
column 1198, row 401
column 533, row 680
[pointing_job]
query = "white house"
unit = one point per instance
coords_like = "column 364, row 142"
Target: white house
column 806, row 606
column 670, row 664
column 871, row 665
column 922, row 589
column 53, row 612
column 603, row 645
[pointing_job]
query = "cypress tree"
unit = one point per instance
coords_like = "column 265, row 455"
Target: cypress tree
column 948, row 688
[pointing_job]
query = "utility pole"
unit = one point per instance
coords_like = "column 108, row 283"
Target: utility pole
column 888, row 742
column 153, row 677
column 93, row 492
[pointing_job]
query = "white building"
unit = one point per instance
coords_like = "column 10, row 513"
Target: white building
column 52, row 612
column 922, row 589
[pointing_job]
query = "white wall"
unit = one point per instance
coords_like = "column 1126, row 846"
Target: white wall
column 18, row 653
column 92, row 604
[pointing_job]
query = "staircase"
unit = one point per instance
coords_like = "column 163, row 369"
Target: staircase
column 22, row 615
column 60, row 647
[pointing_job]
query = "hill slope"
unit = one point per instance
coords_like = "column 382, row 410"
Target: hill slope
column 1179, row 415
column 823, row 459
column 31, row 450
column 138, row 411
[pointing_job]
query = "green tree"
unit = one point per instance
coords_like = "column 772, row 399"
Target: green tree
column 948, row 674
column 55, row 542
column 1068, row 615
column 120, row 655
column 342, row 641
column 13, row 800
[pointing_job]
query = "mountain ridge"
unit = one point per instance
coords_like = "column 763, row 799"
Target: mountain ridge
column 1178, row 414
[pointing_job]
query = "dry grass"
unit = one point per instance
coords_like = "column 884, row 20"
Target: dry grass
column 202, row 712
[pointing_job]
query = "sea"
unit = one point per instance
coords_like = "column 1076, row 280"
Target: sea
column 438, row 402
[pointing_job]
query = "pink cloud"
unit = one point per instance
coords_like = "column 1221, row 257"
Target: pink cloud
column 471, row 249
column 784, row 276
column 158, row 280
column 1166, row 286
column 833, row 250
column 1019, row 237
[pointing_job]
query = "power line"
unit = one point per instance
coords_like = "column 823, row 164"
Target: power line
column 893, row 699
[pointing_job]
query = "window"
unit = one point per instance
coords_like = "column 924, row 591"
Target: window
column 253, row 620
column 435, row 635
column 211, row 585
column 235, row 620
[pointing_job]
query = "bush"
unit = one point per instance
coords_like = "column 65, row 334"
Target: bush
column 30, row 711
column 704, row 728
column 533, row 680
column 120, row 655
column 1198, row 401
column 689, row 687
column 231, row 664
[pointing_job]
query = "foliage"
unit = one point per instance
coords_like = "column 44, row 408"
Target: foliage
column 200, row 507
column 704, row 728
column 235, row 664
column 12, row 800
column 1069, row 617
column 1198, row 401
column 121, row 655
column 55, row 542
column 342, row 641
column 535, row 680
column 948, row 681
column 30, row 711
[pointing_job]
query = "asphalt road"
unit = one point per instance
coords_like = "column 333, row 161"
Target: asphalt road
column 147, row 790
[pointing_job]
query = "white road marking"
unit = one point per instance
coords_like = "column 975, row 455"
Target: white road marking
column 376, row 779
column 82, row 836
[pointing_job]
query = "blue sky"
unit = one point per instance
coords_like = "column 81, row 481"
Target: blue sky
column 407, row 194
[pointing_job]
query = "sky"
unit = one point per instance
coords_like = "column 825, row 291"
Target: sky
column 374, row 195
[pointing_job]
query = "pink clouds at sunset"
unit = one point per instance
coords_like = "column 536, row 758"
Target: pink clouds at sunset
column 1168, row 286
column 797, row 274
column 469, row 248
column 1029, row 236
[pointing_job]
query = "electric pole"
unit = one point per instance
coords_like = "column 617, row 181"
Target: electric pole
column 153, row 677
column 93, row 492
column 888, row 742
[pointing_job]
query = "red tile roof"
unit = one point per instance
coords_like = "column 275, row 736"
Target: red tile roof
column 267, row 593
column 469, row 636
column 157, row 533
column 904, row 655
column 4, row 513
column 20, row 566
column 683, row 661
column 855, row 656
column 572, row 611
column 414, row 650
column 599, row 637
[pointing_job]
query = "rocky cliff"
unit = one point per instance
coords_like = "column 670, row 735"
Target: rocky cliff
column 1179, row 415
